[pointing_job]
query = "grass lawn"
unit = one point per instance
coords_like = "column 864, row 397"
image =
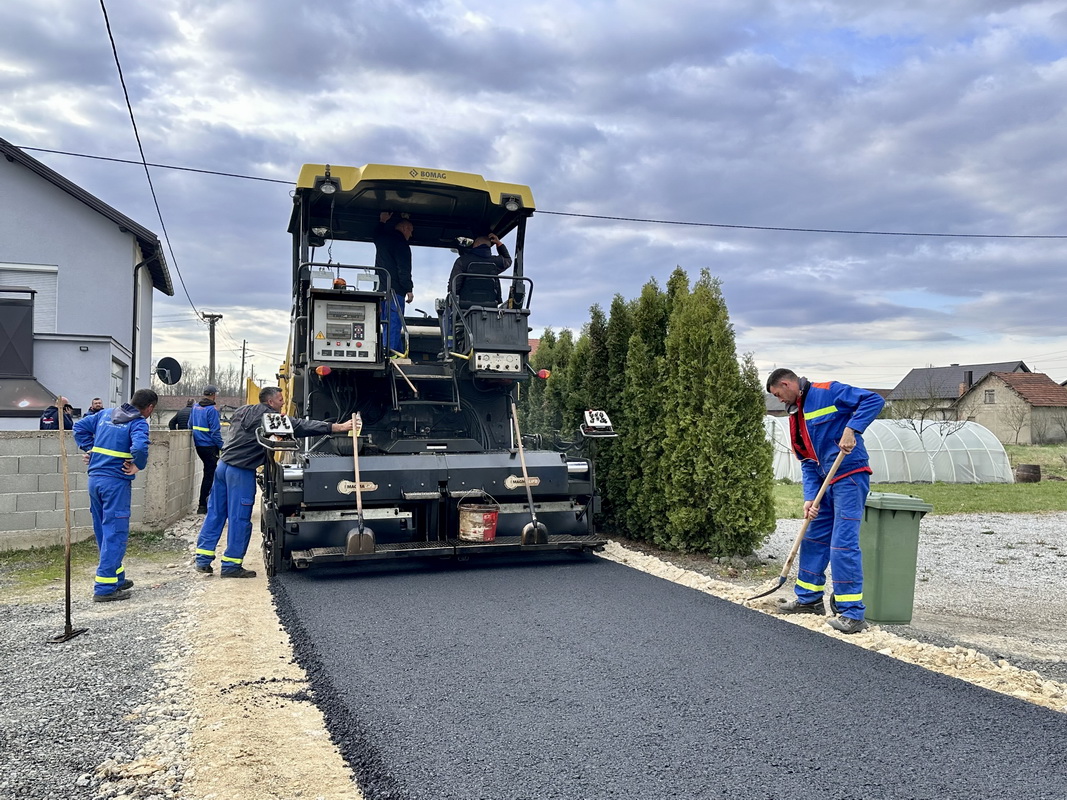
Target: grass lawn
column 41, row 567
column 962, row 498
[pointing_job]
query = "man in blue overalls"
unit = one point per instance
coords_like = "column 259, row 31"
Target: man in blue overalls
column 207, row 439
column 115, row 441
column 824, row 419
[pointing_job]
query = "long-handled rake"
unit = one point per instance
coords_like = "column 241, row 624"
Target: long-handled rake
column 778, row 582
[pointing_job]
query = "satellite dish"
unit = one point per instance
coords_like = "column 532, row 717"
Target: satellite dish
column 168, row 371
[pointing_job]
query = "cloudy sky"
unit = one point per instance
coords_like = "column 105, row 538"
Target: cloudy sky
column 906, row 117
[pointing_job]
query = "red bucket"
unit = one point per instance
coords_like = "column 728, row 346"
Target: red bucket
column 477, row 521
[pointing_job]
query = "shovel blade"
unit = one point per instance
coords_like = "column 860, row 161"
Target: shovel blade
column 534, row 533
column 360, row 541
column 773, row 587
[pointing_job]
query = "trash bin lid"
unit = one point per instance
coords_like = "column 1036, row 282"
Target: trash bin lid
column 897, row 502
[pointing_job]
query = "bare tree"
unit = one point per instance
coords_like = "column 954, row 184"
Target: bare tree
column 195, row 378
column 1039, row 428
column 922, row 410
column 1059, row 419
column 1015, row 416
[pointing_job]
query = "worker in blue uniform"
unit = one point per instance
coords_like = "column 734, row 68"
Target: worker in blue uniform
column 207, row 439
column 234, row 492
column 115, row 441
column 393, row 254
column 824, row 419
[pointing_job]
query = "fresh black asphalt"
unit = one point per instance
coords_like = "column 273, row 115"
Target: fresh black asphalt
column 579, row 678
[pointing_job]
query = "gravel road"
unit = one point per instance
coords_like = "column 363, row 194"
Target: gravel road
column 995, row 582
column 106, row 715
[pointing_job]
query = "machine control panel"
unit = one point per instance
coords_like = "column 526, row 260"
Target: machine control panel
column 498, row 362
column 344, row 330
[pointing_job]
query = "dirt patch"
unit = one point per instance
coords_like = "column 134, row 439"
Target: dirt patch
column 256, row 732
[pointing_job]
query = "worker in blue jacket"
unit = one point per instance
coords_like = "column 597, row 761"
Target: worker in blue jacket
column 207, row 439
column 235, row 490
column 825, row 419
column 115, row 441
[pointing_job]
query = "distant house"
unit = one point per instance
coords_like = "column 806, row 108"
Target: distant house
column 77, row 280
column 931, row 392
column 1020, row 408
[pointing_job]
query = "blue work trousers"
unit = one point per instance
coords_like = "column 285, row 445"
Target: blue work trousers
column 230, row 503
column 393, row 314
column 109, row 503
column 833, row 538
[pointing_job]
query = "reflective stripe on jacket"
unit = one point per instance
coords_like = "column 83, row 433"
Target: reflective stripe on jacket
column 204, row 420
column 824, row 411
column 112, row 437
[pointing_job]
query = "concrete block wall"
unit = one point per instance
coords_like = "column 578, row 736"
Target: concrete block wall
column 33, row 508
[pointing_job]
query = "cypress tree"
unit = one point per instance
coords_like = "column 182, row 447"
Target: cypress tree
column 557, row 387
column 643, row 402
column 534, row 398
column 611, row 475
column 719, row 460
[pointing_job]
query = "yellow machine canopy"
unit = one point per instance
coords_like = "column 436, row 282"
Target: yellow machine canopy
column 441, row 204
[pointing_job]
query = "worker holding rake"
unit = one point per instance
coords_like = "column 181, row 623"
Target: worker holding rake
column 825, row 420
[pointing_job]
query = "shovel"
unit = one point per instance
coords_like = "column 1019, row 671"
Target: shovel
column 361, row 538
column 777, row 583
column 533, row 532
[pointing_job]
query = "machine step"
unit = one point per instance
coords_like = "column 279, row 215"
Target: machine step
column 450, row 547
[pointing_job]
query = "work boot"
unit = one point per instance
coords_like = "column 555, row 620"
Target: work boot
column 239, row 572
column 847, row 624
column 794, row 606
column 201, row 509
column 118, row 594
column 126, row 584
column 207, row 569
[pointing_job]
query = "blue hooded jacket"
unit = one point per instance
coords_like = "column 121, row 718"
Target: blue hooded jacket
column 113, row 436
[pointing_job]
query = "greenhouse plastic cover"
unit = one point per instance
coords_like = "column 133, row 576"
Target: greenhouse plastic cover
column 955, row 453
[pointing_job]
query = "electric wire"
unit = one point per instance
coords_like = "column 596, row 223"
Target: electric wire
column 609, row 218
column 144, row 162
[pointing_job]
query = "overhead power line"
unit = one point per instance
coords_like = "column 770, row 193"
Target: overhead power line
column 644, row 220
column 807, row 230
column 144, row 162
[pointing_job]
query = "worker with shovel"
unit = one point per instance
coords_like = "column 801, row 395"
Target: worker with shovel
column 826, row 419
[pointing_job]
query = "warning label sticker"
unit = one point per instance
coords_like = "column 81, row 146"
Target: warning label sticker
column 319, row 335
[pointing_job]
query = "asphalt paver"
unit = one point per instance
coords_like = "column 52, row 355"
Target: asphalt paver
column 579, row 678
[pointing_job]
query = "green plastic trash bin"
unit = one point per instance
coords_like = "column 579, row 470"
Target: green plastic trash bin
column 889, row 539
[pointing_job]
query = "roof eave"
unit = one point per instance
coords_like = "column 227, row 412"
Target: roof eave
column 151, row 249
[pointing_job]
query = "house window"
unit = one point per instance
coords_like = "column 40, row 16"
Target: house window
column 41, row 277
column 118, row 374
column 990, row 396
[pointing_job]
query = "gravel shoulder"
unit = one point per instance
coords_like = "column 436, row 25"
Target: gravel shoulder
column 189, row 689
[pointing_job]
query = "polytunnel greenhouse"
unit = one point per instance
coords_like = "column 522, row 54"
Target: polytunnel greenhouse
column 960, row 452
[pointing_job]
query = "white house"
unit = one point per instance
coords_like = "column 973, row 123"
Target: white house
column 89, row 272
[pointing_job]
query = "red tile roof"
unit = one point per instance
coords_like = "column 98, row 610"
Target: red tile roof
column 1036, row 388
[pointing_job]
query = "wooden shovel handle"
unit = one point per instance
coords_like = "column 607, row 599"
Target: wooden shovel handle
column 804, row 527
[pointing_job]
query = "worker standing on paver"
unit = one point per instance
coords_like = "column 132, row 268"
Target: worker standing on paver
column 115, row 440
column 825, row 418
column 207, row 438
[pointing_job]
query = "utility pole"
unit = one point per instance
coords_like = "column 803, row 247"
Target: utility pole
column 244, row 344
column 211, row 319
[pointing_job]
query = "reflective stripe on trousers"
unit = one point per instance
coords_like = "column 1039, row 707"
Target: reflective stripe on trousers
column 109, row 504
column 229, row 505
column 833, row 538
